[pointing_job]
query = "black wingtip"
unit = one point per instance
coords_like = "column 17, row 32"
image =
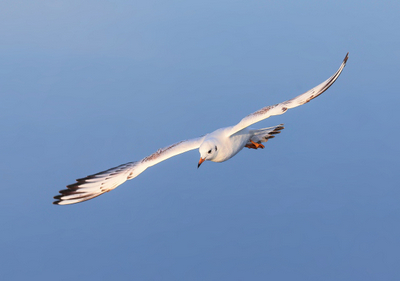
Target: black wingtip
column 346, row 57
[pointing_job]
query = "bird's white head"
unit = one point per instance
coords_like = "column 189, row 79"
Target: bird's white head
column 208, row 151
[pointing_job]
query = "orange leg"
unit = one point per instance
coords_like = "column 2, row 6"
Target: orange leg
column 254, row 145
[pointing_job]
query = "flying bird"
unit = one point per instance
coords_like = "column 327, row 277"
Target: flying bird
column 217, row 146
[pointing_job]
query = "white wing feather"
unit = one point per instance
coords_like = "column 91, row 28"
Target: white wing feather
column 282, row 107
column 97, row 184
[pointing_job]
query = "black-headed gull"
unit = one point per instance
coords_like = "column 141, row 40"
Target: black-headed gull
column 217, row 146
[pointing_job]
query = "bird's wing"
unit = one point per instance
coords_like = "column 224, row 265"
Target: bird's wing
column 282, row 107
column 97, row 184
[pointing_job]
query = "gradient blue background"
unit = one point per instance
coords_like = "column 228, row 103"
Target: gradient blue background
column 88, row 85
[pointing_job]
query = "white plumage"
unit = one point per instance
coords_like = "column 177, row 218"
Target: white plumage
column 217, row 146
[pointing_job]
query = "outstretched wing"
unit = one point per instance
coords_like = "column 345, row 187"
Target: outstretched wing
column 97, row 184
column 282, row 107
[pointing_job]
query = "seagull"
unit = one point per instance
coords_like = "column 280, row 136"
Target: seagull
column 217, row 146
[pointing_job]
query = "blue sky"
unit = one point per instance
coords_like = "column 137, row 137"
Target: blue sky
column 89, row 85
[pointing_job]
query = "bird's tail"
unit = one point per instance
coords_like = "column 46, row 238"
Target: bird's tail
column 263, row 135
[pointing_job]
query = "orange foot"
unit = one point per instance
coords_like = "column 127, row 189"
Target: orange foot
column 254, row 145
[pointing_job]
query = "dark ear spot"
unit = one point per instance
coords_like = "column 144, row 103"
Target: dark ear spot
column 216, row 148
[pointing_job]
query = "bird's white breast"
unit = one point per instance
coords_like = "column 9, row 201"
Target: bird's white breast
column 229, row 146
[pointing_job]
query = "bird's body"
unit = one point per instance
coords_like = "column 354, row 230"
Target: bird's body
column 228, row 146
column 218, row 146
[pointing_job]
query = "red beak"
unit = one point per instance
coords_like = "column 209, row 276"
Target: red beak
column 201, row 161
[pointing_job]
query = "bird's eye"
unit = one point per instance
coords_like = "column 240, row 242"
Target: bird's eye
column 209, row 151
column 215, row 148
